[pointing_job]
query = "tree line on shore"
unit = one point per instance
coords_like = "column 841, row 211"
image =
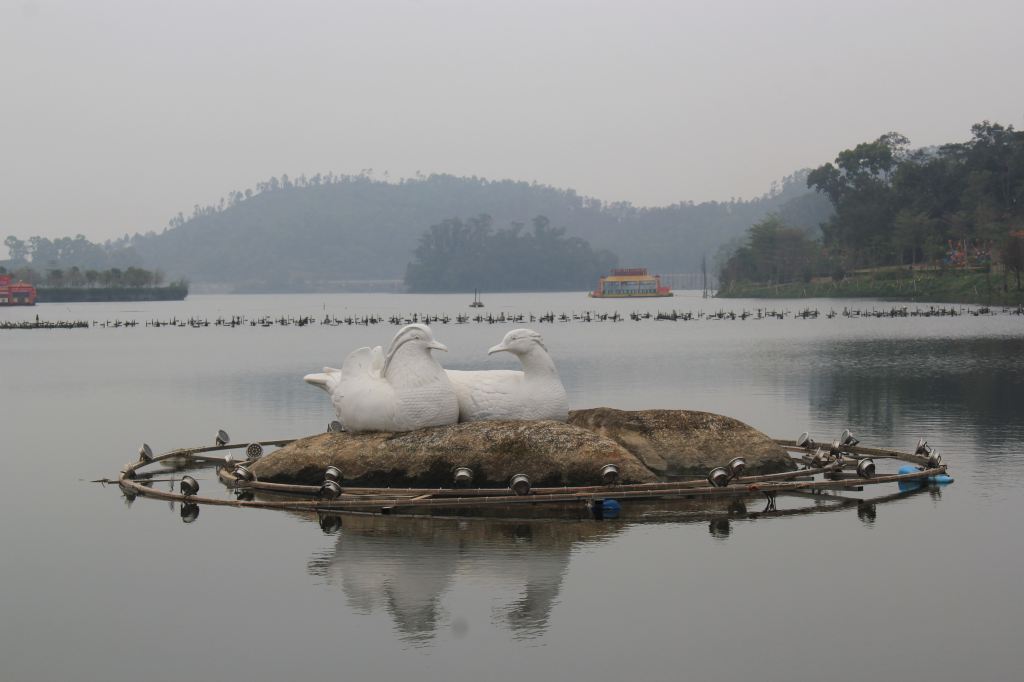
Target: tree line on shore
column 77, row 278
column 959, row 204
column 461, row 255
column 67, row 252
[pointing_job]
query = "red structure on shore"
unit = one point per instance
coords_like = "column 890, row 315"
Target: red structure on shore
column 18, row 293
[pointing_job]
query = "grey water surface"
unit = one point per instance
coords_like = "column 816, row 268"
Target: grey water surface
column 926, row 587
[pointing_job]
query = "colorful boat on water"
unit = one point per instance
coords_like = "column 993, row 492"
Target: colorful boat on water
column 16, row 293
column 630, row 283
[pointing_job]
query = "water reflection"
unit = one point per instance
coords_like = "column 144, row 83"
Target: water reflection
column 720, row 528
column 976, row 383
column 404, row 566
column 189, row 512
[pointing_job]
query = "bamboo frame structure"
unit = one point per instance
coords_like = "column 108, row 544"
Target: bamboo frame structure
column 416, row 501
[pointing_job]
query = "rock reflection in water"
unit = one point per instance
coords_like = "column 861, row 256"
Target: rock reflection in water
column 405, row 566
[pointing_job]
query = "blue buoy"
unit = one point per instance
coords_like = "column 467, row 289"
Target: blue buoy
column 611, row 509
column 940, row 479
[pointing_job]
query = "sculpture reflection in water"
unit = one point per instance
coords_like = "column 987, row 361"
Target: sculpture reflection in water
column 406, row 565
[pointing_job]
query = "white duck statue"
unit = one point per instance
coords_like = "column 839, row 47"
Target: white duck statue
column 534, row 393
column 403, row 389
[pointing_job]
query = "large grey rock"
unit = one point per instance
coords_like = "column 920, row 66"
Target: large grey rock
column 551, row 453
column 684, row 442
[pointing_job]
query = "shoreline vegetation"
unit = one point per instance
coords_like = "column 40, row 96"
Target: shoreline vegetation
column 979, row 286
column 77, row 285
column 942, row 224
column 173, row 292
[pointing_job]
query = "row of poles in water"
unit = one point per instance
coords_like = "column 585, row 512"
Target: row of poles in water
column 894, row 312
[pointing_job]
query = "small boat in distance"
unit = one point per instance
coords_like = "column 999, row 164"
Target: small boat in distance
column 630, row 283
column 477, row 303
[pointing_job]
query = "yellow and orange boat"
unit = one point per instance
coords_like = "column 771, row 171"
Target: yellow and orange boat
column 630, row 283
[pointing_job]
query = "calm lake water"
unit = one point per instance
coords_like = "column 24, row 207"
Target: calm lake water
column 928, row 587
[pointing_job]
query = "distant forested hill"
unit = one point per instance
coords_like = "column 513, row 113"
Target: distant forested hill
column 299, row 234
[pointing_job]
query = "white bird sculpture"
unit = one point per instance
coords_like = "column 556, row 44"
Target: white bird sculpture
column 402, row 389
column 534, row 393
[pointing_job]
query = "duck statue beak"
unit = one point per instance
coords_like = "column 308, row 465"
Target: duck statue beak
column 437, row 345
column 496, row 349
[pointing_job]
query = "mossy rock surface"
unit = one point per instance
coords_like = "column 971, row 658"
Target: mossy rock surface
column 685, row 442
column 551, row 453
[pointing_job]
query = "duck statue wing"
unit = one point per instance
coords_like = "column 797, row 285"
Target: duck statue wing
column 488, row 394
column 363, row 361
column 363, row 399
column 330, row 378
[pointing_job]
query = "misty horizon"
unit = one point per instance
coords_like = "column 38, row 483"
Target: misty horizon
column 119, row 114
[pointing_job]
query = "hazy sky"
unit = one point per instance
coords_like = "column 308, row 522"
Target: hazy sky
column 115, row 115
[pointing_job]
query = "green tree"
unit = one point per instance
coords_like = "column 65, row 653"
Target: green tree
column 859, row 186
column 1013, row 254
column 773, row 254
column 17, row 249
column 75, row 278
column 55, row 277
column 461, row 255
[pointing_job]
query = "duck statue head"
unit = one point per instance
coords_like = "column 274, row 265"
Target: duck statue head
column 534, row 393
column 412, row 344
column 519, row 342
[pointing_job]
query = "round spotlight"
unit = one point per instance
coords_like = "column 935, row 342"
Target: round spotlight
column 253, row 451
column 463, row 476
column 848, row 438
column 222, row 438
column 335, row 427
column 805, row 441
column 188, row 486
column 244, row 473
column 922, row 447
column 330, row 490
column 610, row 474
column 332, row 473
column 520, row 484
column 229, row 459
column 189, row 512
column 718, row 477
column 934, row 459
column 145, row 453
column 866, row 468
column 736, row 466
